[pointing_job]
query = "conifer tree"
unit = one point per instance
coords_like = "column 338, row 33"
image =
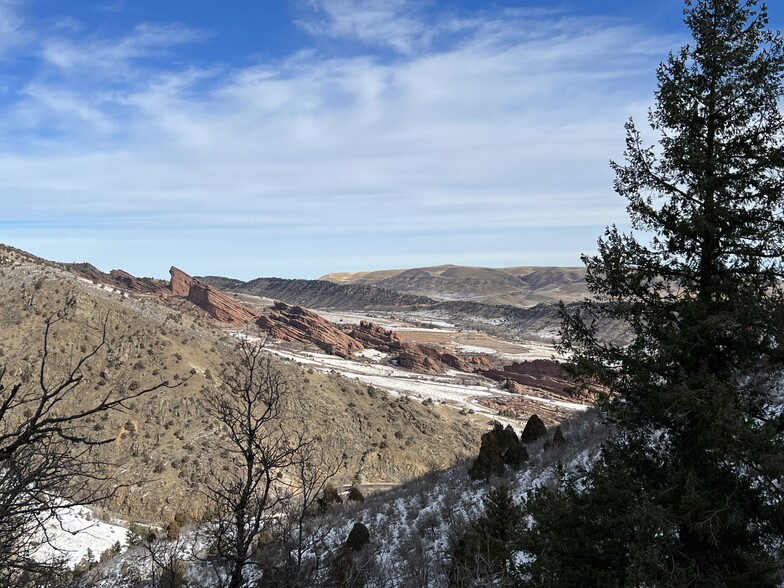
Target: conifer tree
column 689, row 489
column 483, row 556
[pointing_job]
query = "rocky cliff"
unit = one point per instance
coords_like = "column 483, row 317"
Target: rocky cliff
column 217, row 304
column 294, row 323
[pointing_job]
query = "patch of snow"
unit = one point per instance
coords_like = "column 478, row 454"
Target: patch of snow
column 475, row 349
column 74, row 531
column 371, row 354
column 560, row 403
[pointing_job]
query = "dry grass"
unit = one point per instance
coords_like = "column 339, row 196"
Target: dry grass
column 164, row 444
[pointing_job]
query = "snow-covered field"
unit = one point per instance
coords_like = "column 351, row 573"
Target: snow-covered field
column 441, row 388
column 454, row 388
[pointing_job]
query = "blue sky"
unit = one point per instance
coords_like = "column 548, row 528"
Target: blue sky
column 295, row 138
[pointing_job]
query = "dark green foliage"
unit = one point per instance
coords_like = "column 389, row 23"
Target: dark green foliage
column 688, row 491
column 354, row 494
column 358, row 537
column 534, row 430
column 500, row 447
column 329, row 497
column 558, row 439
column 483, row 554
column 489, row 462
column 174, row 575
column 350, row 565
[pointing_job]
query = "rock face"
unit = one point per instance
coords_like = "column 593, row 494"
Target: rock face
column 420, row 358
column 294, row 323
column 132, row 283
column 180, row 284
column 375, row 337
column 217, row 304
column 117, row 279
column 543, row 374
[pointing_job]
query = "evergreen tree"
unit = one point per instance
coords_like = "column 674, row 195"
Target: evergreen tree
column 489, row 462
column 689, row 489
column 534, row 430
column 500, row 447
column 483, row 555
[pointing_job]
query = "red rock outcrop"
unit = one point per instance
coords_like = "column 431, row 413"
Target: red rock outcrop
column 117, row 279
column 413, row 356
column 294, row 323
column 132, row 283
column 423, row 358
column 476, row 363
column 180, row 284
column 420, row 358
column 542, row 374
column 217, row 304
column 376, row 337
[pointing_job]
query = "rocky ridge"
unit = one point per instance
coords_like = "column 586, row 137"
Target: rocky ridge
column 294, row 323
column 117, row 278
column 321, row 294
column 217, row 304
column 166, row 438
column 518, row 286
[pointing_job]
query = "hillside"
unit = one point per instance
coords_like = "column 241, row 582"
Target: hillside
column 517, row 286
column 414, row 530
column 164, row 447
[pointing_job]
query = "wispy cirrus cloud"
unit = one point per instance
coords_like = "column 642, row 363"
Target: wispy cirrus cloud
column 396, row 24
column 13, row 32
column 486, row 145
column 114, row 55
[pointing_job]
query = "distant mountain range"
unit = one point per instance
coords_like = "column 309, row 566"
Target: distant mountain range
column 469, row 297
column 516, row 286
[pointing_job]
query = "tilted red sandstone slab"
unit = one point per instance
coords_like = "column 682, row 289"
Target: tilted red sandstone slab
column 294, row 323
column 218, row 305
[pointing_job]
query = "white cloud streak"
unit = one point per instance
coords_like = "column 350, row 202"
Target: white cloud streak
column 506, row 128
column 394, row 24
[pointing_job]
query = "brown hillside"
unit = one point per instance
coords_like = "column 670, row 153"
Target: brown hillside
column 165, row 438
column 517, row 286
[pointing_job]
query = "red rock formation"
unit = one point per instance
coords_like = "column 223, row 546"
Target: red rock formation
column 413, row 356
column 420, row 358
column 132, row 283
column 294, row 323
column 542, row 374
column 180, row 283
column 217, row 304
column 117, row 279
column 376, row 337
column 423, row 358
